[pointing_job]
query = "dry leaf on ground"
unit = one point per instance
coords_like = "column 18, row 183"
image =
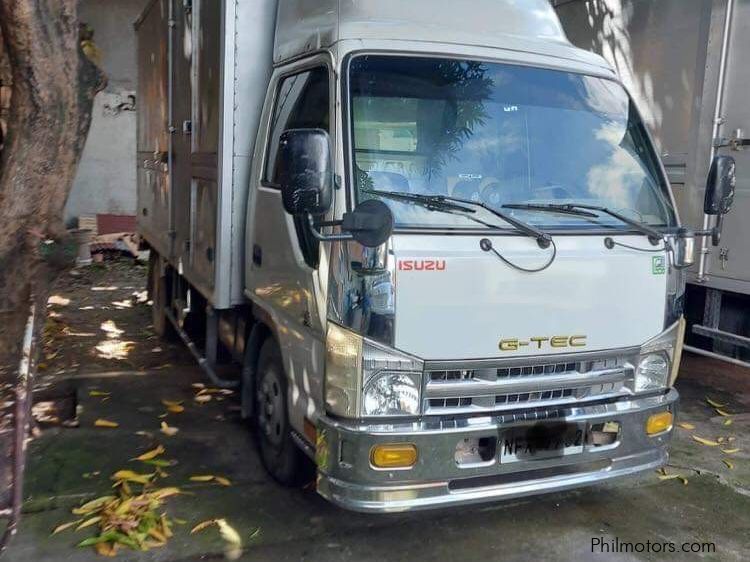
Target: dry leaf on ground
column 167, row 430
column 153, row 453
column 202, row 478
column 106, row 423
column 706, row 442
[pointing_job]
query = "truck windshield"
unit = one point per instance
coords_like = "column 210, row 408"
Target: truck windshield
column 501, row 134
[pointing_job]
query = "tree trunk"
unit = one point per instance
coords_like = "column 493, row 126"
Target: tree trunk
column 50, row 112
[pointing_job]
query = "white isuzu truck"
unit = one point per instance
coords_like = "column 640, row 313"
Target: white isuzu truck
column 430, row 243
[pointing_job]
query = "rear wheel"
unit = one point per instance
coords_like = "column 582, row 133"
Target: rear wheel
column 280, row 455
column 157, row 288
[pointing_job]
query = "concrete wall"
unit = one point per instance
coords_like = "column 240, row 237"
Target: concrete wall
column 106, row 180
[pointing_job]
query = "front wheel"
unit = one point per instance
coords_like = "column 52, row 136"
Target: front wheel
column 280, row 455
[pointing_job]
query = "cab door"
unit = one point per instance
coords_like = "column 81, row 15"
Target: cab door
column 287, row 267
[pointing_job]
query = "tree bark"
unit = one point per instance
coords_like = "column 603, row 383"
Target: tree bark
column 52, row 96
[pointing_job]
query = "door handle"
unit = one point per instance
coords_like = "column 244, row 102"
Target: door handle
column 257, row 255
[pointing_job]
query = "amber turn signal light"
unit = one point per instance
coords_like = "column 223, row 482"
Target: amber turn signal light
column 659, row 423
column 396, row 455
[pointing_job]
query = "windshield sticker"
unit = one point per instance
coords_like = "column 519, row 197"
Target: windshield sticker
column 658, row 265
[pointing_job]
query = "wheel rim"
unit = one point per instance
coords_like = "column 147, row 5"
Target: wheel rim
column 271, row 408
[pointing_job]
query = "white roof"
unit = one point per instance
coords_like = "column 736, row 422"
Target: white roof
column 308, row 25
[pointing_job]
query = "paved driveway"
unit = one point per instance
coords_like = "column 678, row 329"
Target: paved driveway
column 70, row 465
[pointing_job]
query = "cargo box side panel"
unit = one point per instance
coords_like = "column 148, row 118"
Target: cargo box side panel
column 197, row 114
column 729, row 264
column 247, row 55
column 154, row 189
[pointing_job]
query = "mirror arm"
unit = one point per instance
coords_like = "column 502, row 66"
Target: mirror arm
column 714, row 233
column 320, row 224
column 326, row 237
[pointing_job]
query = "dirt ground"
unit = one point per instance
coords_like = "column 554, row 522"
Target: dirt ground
column 102, row 361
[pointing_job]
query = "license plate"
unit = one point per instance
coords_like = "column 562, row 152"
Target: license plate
column 541, row 441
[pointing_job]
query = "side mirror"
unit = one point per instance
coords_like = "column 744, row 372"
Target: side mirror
column 720, row 188
column 305, row 173
column 683, row 250
column 370, row 224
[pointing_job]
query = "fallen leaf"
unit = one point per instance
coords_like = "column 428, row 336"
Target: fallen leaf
column 730, row 466
column 166, row 528
column 198, row 385
column 106, row 549
column 730, row 451
column 160, row 463
column 89, row 522
column 158, row 535
column 175, row 409
column 169, row 403
column 722, row 412
column 88, row 507
column 95, row 393
column 130, row 476
column 202, row 398
column 669, row 476
column 105, row 423
column 64, row 526
column 150, row 454
column 713, row 403
column 685, row 425
column 202, row 478
column 165, row 492
column 223, row 481
column 228, row 533
column 727, row 422
column 706, row 442
column 202, row 525
column 167, row 430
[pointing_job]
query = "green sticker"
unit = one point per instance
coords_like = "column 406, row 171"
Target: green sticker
column 658, row 265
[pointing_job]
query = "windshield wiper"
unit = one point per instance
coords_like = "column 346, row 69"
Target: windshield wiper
column 449, row 204
column 583, row 211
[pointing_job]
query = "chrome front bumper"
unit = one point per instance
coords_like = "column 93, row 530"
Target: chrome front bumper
column 347, row 478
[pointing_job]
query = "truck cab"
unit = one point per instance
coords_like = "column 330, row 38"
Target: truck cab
column 461, row 267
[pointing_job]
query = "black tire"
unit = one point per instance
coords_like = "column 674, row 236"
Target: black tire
column 282, row 458
column 157, row 289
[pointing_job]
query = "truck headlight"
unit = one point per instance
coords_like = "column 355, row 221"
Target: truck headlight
column 391, row 380
column 659, row 359
column 391, row 394
column 652, row 372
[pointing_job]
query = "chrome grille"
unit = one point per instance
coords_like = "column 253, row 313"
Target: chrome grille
column 530, row 383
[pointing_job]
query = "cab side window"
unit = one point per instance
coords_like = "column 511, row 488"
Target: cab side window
column 302, row 102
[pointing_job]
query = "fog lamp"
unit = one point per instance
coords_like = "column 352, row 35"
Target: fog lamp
column 395, row 455
column 659, row 423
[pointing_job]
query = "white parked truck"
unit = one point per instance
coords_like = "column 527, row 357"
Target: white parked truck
column 429, row 242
